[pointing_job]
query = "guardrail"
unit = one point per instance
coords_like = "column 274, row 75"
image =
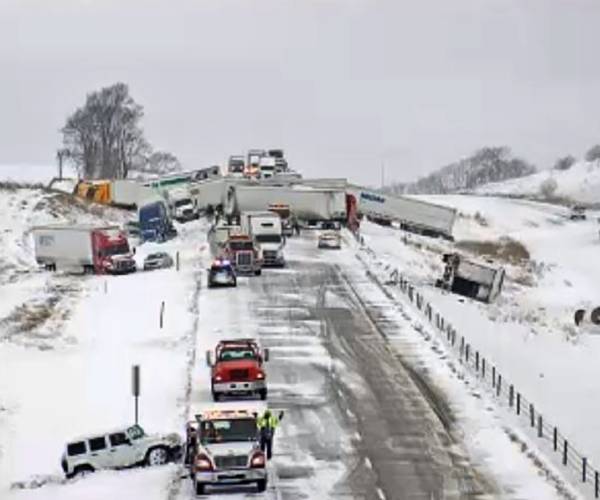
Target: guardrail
column 503, row 389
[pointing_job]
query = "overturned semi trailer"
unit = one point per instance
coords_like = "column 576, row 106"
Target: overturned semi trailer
column 471, row 279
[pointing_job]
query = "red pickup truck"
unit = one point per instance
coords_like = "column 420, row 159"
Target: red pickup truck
column 237, row 369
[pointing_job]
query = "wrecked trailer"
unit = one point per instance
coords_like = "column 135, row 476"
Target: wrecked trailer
column 471, row 279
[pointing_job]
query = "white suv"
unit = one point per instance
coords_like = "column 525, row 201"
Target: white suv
column 119, row 449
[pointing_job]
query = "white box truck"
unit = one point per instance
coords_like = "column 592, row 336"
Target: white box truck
column 128, row 193
column 266, row 229
column 85, row 249
column 181, row 204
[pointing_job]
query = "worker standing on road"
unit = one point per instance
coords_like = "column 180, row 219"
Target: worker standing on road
column 266, row 425
column 295, row 225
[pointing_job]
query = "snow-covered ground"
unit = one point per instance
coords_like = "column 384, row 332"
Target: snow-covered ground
column 580, row 183
column 529, row 332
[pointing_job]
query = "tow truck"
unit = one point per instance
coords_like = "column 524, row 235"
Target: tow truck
column 222, row 448
column 237, row 369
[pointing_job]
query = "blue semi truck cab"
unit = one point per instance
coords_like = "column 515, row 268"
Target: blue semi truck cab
column 155, row 222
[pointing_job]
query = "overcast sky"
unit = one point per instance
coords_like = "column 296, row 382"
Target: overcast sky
column 342, row 85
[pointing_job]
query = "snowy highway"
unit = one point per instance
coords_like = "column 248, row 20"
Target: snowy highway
column 362, row 420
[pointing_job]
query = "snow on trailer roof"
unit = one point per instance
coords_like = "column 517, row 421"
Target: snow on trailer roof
column 76, row 227
column 218, row 414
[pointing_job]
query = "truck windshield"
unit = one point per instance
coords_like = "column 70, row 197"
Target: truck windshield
column 241, row 245
column 228, row 430
column 236, row 354
column 181, row 203
column 268, row 238
column 151, row 214
column 118, row 249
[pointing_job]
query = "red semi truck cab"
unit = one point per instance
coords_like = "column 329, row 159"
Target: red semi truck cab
column 112, row 254
column 237, row 369
column 243, row 252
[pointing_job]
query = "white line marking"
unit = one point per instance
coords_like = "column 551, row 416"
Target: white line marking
column 380, row 493
column 368, row 463
column 350, row 414
column 357, row 436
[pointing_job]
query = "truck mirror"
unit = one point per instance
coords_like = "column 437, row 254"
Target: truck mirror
column 209, row 358
column 266, row 355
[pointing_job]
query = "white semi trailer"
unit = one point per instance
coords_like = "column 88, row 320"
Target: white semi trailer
column 412, row 214
column 305, row 203
column 266, row 229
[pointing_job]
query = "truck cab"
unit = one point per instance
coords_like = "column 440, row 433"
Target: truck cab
column 237, row 369
column 236, row 166
column 112, row 253
column 245, row 255
column 183, row 208
column 267, row 167
column 266, row 228
column 155, row 223
column 222, row 448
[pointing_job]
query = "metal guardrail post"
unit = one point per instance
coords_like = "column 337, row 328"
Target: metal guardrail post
column 483, row 367
column 477, row 361
column 518, row 403
column 596, row 484
column 511, row 395
column 584, row 469
column 499, row 385
column 565, row 451
column 540, row 427
column 532, row 414
column 467, row 353
column 493, row 376
column 555, row 438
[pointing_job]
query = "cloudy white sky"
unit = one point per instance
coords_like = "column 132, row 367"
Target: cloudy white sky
column 342, row 85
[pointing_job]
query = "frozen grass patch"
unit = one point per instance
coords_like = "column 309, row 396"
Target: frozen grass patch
column 505, row 249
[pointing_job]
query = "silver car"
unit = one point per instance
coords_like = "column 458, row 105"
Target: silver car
column 157, row 260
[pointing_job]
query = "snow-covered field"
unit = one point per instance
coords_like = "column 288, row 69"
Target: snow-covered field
column 529, row 332
column 581, row 183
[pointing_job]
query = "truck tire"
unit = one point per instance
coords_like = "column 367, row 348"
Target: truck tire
column 258, row 272
column 216, row 396
column 262, row 394
column 261, row 485
column 200, row 488
column 158, row 455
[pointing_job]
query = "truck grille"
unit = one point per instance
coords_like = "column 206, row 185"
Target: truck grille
column 243, row 259
column 231, row 461
column 239, row 374
column 270, row 255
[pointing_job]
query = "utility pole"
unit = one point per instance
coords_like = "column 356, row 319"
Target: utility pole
column 61, row 154
column 382, row 174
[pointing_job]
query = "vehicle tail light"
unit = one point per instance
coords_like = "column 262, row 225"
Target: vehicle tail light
column 258, row 460
column 202, row 463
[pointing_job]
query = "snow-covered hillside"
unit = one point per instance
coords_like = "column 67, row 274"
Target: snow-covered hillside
column 580, row 183
column 529, row 332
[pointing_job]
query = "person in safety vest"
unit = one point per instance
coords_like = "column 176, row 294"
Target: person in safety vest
column 266, row 425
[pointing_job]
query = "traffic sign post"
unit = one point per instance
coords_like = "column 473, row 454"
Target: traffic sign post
column 135, row 389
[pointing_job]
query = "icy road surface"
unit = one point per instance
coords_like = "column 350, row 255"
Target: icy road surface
column 358, row 423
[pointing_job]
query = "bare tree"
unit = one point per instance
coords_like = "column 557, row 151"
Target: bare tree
column 593, row 153
column 104, row 138
column 548, row 187
column 564, row 163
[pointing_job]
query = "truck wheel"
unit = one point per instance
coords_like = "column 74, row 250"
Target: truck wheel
column 200, row 488
column 258, row 272
column 261, row 485
column 263, row 394
column 82, row 471
column 157, row 456
column 216, row 396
